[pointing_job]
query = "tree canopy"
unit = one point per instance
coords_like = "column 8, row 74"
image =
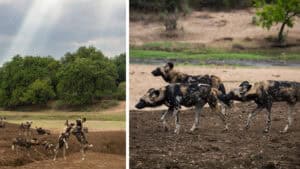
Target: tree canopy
column 277, row 12
column 77, row 79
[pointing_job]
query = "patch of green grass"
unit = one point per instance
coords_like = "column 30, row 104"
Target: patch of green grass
column 154, row 54
column 181, row 50
column 62, row 116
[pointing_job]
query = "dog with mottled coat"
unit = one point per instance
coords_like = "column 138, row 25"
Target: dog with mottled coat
column 176, row 95
column 264, row 94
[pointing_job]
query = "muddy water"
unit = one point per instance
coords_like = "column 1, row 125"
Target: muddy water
column 258, row 63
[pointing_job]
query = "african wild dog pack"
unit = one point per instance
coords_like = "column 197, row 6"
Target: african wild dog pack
column 197, row 90
column 26, row 143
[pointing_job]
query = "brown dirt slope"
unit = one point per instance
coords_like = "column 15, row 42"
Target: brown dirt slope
column 108, row 151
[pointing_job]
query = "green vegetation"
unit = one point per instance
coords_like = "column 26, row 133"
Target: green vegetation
column 277, row 11
column 60, row 115
column 79, row 78
column 175, row 50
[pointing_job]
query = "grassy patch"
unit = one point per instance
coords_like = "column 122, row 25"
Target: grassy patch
column 179, row 50
column 11, row 115
column 151, row 54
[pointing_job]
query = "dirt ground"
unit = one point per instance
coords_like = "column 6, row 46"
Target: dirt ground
column 108, row 151
column 214, row 29
column 210, row 147
column 141, row 78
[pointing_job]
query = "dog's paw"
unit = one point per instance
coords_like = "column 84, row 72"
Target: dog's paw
column 266, row 131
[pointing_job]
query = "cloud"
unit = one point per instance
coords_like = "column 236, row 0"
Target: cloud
column 54, row 27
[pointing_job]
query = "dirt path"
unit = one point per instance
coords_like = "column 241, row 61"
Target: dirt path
column 210, row 147
column 211, row 28
column 141, row 79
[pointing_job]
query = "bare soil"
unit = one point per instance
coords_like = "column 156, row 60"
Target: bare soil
column 210, row 147
column 230, row 29
column 108, row 151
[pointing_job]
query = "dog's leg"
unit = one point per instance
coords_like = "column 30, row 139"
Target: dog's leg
column 223, row 118
column 290, row 118
column 55, row 151
column 251, row 115
column 268, row 122
column 64, row 152
column 82, row 152
column 198, row 110
column 163, row 118
column 177, row 125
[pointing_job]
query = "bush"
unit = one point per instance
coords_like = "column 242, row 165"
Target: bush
column 39, row 92
column 121, row 91
column 120, row 62
column 85, row 76
column 23, row 76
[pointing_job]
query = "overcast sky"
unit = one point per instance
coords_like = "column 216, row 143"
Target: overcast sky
column 54, row 27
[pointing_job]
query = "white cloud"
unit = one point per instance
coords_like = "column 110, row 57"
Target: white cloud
column 54, row 27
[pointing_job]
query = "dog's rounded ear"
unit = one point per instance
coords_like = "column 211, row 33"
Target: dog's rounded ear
column 150, row 90
column 83, row 119
column 170, row 65
column 244, row 83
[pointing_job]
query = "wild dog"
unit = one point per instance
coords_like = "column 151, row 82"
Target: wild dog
column 63, row 140
column 176, row 95
column 170, row 75
column 2, row 122
column 41, row 131
column 48, row 146
column 79, row 132
column 23, row 143
column 25, row 128
column 264, row 94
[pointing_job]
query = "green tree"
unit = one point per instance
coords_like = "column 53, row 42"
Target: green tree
column 277, row 11
column 76, row 82
column 86, row 75
column 39, row 92
column 120, row 62
column 20, row 76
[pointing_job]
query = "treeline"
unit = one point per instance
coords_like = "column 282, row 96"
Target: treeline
column 182, row 5
column 78, row 78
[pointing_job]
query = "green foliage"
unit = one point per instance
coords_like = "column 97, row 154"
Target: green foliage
column 39, row 92
column 85, row 76
column 121, row 91
column 23, row 76
column 78, row 79
column 120, row 62
column 277, row 11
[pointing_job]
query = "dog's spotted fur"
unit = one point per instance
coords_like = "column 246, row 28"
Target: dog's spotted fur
column 264, row 93
column 176, row 95
column 41, row 131
column 63, row 140
column 170, row 75
column 23, row 143
column 25, row 128
column 2, row 122
column 79, row 132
